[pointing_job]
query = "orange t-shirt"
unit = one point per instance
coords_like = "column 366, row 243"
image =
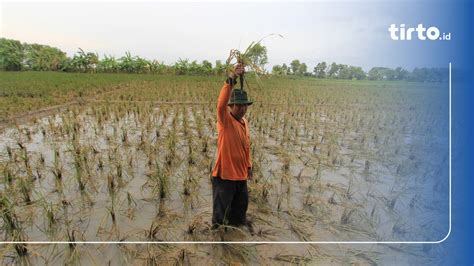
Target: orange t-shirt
column 233, row 142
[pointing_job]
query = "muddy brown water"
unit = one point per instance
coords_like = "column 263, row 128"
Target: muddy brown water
column 318, row 197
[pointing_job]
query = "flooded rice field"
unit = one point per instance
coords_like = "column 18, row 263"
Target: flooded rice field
column 332, row 162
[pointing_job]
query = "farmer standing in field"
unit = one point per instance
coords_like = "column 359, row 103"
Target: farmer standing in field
column 233, row 164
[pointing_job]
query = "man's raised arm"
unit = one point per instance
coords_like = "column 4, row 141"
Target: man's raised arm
column 224, row 95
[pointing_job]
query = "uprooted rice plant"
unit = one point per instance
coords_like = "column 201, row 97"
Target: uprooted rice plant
column 333, row 161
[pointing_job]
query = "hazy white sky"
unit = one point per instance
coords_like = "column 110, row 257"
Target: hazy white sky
column 352, row 33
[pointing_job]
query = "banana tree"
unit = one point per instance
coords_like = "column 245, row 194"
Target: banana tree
column 109, row 64
column 141, row 65
column 85, row 62
column 181, row 67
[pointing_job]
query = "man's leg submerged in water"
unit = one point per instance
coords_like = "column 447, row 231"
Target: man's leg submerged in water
column 222, row 194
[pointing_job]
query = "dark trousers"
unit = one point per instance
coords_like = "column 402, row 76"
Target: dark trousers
column 230, row 200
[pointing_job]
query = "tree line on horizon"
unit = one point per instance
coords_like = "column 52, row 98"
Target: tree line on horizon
column 17, row 56
column 341, row 71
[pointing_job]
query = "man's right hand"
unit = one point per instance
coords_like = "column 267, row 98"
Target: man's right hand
column 239, row 69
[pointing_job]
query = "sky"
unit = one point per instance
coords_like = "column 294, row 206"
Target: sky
column 353, row 33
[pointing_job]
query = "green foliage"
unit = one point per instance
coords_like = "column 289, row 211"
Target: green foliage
column 428, row 74
column 285, row 69
column 401, row 73
column 133, row 64
column 157, row 67
column 11, row 55
column 350, row 72
column 278, row 70
column 83, row 62
column 108, row 65
column 194, row 68
column 44, row 58
column 333, row 70
column 298, row 68
column 206, row 67
column 220, row 68
column 15, row 56
column 282, row 70
column 181, row 66
column 295, row 66
column 357, row 73
column 184, row 67
column 381, row 73
column 302, row 70
column 257, row 54
column 320, row 70
column 418, row 74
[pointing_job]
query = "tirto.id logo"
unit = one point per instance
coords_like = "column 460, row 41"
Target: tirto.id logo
column 401, row 33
